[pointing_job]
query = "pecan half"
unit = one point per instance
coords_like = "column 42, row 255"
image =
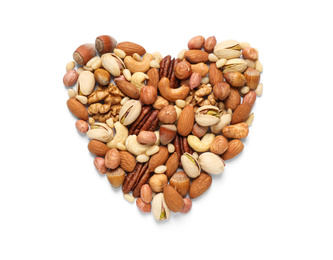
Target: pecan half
column 136, row 179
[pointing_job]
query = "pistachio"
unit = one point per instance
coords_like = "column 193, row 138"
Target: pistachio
column 211, row 163
column 228, row 49
column 129, row 112
column 101, row 132
column 191, row 166
column 224, row 121
column 235, row 64
column 159, row 208
column 85, row 83
column 113, row 64
column 207, row 115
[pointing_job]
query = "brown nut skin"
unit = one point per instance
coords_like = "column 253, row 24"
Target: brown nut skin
column 187, row 205
column 250, row 53
column 194, row 81
column 200, row 185
column 235, row 79
column 196, row 43
column 146, row 193
column 252, row 77
column 142, row 206
column 210, row 44
column 160, row 103
column 167, row 133
column 77, row 108
column 82, row 126
column 98, row 148
column 116, row 177
column 180, row 182
column 233, row 100
column 146, row 137
column 219, row 145
column 99, row 164
column 221, row 90
column 84, row 53
column 102, row 76
column 186, row 121
column 168, row 114
column 112, row 159
column 234, row 148
column 199, row 130
column 250, row 98
column 70, row 78
column 148, row 95
column 183, row 70
column 105, row 43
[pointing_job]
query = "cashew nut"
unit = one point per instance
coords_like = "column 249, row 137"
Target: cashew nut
column 138, row 66
column 120, row 137
column 138, row 79
column 172, row 94
column 134, row 147
column 200, row 145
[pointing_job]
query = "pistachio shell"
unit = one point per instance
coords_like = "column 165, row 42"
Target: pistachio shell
column 85, row 83
column 191, row 166
column 101, row 132
column 228, row 44
column 227, row 53
column 211, row 163
column 235, row 64
column 224, row 121
column 129, row 112
column 206, row 120
column 110, row 63
column 159, row 208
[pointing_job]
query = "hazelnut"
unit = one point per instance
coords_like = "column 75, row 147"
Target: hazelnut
column 168, row 114
column 160, row 103
column 221, row 90
column 187, row 205
column 116, row 177
column 146, row 137
column 84, row 53
column 180, row 182
column 252, row 77
column 146, row 193
column 105, row 43
column 148, row 95
column 157, row 182
column 112, row 159
column 102, row 76
column 219, row 145
column 235, row 78
column 167, row 133
column 183, row 70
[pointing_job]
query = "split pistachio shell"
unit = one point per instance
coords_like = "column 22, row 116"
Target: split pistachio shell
column 211, row 163
column 129, row 112
column 190, row 165
column 228, row 49
column 101, row 132
column 207, row 115
column 85, row 83
column 113, row 64
column 159, row 208
column 235, row 65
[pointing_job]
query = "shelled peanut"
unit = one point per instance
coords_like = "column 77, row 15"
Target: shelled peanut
column 161, row 126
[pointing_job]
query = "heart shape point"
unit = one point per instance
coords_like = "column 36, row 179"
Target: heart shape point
column 159, row 127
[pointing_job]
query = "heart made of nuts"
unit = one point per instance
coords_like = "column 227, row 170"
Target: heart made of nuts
column 159, row 127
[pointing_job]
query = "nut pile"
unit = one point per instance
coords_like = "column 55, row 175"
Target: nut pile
column 147, row 116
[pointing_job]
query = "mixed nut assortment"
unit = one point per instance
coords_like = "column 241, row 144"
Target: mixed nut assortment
column 147, row 116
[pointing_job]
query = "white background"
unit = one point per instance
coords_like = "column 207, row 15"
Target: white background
column 274, row 201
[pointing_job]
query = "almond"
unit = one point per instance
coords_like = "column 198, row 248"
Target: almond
column 158, row 158
column 186, row 121
column 128, row 88
column 196, row 56
column 238, row 131
column 77, row 108
column 234, row 148
column 250, row 98
column 153, row 77
column 200, row 185
column 241, row 113
column 127, row 161
column 215, row 74
column 233, row 100
column 98, row 148
column 130, row 48
column 172, row 165
column 172, row 198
